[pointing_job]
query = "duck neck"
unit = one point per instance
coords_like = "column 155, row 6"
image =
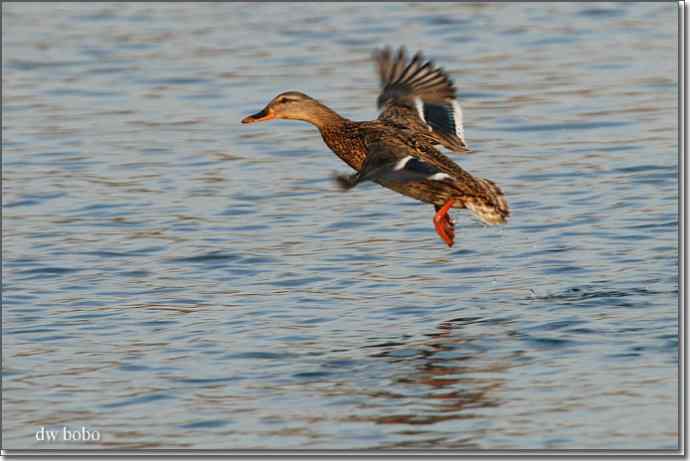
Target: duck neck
column 324, row 118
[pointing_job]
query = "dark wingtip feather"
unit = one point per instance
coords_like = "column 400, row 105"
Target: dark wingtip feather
column 399, row 75
column 343, row 181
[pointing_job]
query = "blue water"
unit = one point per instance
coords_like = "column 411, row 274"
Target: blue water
column 174, row 279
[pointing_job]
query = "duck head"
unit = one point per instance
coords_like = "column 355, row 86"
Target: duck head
column 291, row 105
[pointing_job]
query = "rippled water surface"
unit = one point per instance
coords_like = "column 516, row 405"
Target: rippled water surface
column 172, row 278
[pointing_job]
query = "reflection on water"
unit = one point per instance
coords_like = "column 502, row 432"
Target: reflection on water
column 174, row 279
column 451, row 375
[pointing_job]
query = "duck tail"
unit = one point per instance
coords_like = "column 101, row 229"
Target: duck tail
column 491, row 207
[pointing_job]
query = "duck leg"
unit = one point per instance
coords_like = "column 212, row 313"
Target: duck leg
column 445, row 227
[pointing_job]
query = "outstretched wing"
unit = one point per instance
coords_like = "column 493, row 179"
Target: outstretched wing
column 393, row 162
column 420, row 96
column 386, row 164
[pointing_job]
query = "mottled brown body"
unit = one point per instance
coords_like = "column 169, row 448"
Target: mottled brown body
column 351, row 140
column 344, row 139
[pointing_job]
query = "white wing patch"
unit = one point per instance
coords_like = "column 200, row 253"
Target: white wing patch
column 419, row 104
column 457, row 117
column 402, row 162
column 439, row 177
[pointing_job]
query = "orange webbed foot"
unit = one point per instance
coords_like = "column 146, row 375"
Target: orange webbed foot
column 445, row 227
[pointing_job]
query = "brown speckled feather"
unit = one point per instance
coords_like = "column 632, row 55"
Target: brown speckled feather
column 480, row 195
column 420, row 96
column 346, row 141
column 376, row 142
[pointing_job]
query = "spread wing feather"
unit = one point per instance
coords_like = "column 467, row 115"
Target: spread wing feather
column 421, row 96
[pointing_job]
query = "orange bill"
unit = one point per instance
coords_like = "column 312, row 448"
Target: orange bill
column 259, row 117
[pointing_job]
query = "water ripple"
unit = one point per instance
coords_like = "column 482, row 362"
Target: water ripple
column 175, row 279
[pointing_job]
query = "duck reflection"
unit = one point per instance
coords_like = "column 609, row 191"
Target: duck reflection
column 455, row 374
